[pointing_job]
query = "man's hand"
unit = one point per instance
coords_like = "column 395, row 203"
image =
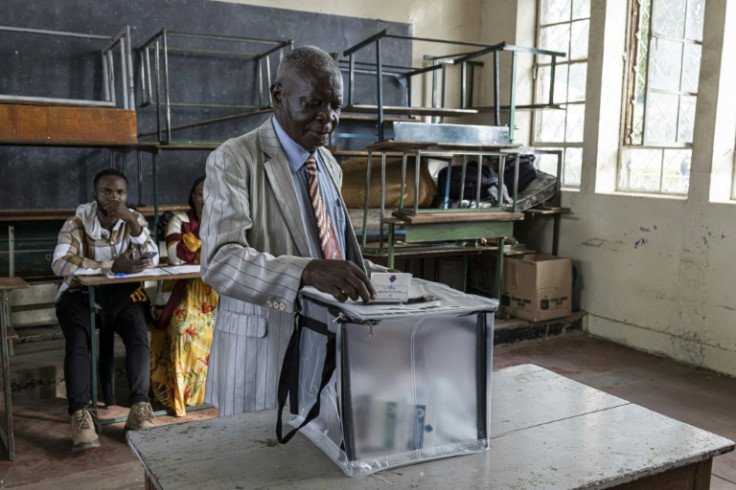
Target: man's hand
column 128, row 264
column 119, row 210
column 340, row 278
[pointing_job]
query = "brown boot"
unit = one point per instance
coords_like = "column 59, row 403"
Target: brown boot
column 84, row 435
column 140, row 416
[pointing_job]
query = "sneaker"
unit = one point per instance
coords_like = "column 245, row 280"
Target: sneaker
column 140, row 416
column 84, row 435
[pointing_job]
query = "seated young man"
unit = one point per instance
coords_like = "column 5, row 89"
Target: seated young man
column 104, row 236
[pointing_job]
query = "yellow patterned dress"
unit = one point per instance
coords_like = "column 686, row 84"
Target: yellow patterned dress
column 180, row 348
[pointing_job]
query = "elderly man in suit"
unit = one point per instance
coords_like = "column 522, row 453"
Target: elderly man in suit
column 273, row 222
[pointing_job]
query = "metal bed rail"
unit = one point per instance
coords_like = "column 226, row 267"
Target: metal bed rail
column 119, row 42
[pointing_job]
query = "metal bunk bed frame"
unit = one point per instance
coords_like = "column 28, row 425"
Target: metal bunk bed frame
column 466, row 73
column 121, row 41
column 155, row 74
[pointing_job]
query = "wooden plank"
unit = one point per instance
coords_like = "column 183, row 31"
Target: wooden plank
column 547, row 211
column 189, row 146
column 102, row 279
column 694, row 476
column 456, row 230
column 70, row 125
column 417, row 252
column 458, row 216
column 43, row 214
column 8, row 283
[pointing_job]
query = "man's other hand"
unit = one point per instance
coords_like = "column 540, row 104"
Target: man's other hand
column 128, row 264
column 340, row 278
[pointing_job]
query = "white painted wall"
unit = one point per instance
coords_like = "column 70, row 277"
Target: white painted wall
column 657, row 274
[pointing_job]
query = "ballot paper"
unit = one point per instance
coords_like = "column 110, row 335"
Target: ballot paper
column 391, row 287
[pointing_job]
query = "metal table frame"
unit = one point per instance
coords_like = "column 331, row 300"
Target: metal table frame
column 468, row 53
column 453, row 226
column 6, row 431
column 92, row 282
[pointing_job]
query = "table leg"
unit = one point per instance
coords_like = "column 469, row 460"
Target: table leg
column 391, row 238
column 466, row 261
column 6, row 433
column 93, row 347
column 497, row 280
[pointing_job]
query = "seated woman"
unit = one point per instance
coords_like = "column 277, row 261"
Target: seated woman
column 180, row 347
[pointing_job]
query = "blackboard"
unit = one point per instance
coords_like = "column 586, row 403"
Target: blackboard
column 47, row 177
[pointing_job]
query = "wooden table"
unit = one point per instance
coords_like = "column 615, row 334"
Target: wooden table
column 547, row 432
column 6, row 430
column 165, row 273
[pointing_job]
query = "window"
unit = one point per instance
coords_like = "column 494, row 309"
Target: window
column 663, row 66
column 562, row 26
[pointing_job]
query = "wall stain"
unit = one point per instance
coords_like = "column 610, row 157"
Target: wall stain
column 594, row 242
column 689, row 347
column 641, row 228
column 640, row 242
column 705, row 240
column 726, row 307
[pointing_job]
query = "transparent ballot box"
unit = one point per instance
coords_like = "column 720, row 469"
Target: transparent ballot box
column 396, row 383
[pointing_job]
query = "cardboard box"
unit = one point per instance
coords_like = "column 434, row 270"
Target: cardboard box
column 537, row 287
column 482, row 269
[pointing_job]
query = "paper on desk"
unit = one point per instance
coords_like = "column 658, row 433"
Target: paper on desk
column 181, row 269
column 152, row 272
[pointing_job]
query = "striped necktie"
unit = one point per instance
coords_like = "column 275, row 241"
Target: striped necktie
column 327, row 235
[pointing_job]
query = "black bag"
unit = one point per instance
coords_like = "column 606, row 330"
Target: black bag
column 489, row 179
column 527, row 172
column 163, row 222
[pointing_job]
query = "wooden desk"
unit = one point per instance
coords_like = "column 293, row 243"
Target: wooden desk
column 547, row 432
column 165, row 273
column 6, row 430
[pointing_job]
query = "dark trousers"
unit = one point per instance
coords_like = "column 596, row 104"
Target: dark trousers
column 122, row 311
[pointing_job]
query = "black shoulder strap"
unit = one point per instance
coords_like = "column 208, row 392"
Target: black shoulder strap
column 289, row 377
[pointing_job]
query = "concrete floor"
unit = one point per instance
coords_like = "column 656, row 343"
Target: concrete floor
column 701, row 398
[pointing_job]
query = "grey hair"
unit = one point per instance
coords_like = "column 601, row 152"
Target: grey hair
column 307, row 56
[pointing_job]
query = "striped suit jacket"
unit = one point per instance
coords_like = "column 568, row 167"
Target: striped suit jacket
column 254, row 249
